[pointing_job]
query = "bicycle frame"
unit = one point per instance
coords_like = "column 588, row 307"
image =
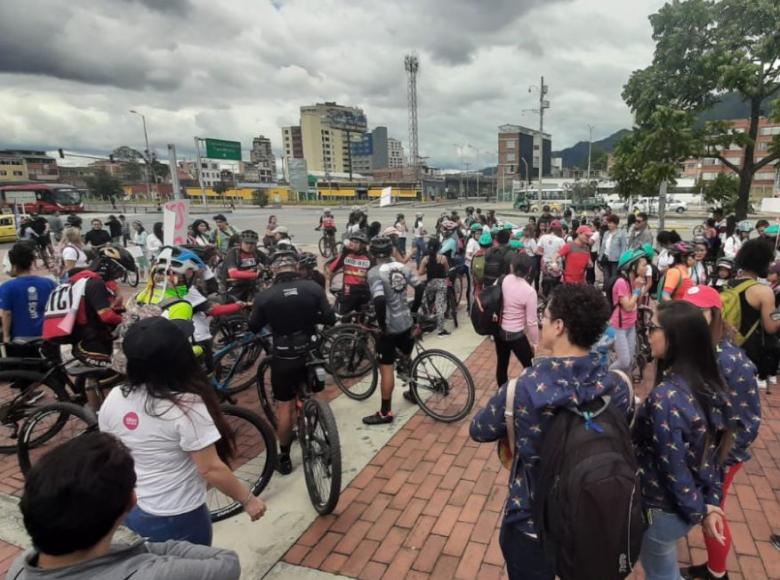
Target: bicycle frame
column 242, row 342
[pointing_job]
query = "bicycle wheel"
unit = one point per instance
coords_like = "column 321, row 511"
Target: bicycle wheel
column 53, row 424
column 324, row 248
column 21, row 392
column 131, row 278
column 253, row 461
column 238, row 363
column 353, row 366
column 442, row 385
column 319, row 438
column 265, row 393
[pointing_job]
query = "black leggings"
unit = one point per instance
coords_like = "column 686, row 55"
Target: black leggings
column 522, row 349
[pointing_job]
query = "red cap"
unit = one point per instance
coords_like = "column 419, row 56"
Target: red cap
column 584, row 230
column 555, row 224
column 703, row 297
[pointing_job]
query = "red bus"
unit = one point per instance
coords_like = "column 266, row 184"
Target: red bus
column 41, row 197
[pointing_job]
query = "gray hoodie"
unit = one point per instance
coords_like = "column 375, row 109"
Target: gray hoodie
column 140, row 561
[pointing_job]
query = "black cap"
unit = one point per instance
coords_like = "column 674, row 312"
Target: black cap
column 155, row 337
column 219, row 218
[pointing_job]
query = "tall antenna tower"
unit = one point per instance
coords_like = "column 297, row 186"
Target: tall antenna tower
column 412, row 65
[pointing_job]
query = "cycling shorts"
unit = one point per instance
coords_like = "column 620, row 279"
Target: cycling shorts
column 387, row 344
column 353, row 299
column 287, row 374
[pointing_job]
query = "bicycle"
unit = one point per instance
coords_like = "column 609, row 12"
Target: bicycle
column 316, row 431
column 643, row 353
column 328, row 246
column 130, row 278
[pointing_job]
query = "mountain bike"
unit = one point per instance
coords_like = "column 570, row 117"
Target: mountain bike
column 316, row 431
column 328, row 245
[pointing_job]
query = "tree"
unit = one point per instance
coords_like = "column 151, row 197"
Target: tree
column 104, row 185
column 722, row 192
column 704, row 49
column 130, row 161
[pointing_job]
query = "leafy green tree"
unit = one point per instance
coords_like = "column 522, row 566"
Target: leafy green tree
column 723, row 191
column 704, row 49
column 103, row 185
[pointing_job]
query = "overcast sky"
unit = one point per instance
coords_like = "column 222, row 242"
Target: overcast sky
column 70, row 71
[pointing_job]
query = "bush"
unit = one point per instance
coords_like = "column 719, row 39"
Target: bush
column 260, row 198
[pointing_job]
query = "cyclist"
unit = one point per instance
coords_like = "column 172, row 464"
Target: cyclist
column 677, row 279
column 243, row 265
column 388, row 281
column 355, row 262
column 291, row 307
column 740, row 236
column 327, row 223
column 469, row 220
column 307, row 268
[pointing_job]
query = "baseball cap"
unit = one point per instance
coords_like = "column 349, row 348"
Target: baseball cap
column 703, row 297
column 585, row 230
column 155, row 337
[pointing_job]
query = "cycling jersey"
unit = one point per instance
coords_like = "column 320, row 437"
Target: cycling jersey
column 242, row 267
column 329, row 223
column 390, row 280
column 355, row 266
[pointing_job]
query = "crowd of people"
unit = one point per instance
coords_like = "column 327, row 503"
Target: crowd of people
column 561, row 288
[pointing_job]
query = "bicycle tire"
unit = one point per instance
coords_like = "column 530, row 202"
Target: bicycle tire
column 430, row 390
column 132, row 278
column 323, row 247
column 64, row 411
column 258, row 480
column 353, row 366
column 243, row 355
column 325, row 446
column 15, row 412
column 265, row 392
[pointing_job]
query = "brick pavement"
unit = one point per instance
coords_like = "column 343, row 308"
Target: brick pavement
column 429, row 505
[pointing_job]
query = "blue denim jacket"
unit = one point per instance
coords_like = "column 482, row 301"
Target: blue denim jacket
column 550, row 383
column 740, row 375
column 676, row 456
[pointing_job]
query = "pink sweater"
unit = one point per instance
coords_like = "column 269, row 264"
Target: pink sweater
column 519, row 308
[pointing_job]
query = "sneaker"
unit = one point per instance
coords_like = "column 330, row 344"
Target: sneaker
column 444, row 332
column 410, row 397
column 761, row 383
column 284, row 464
column 378, row 419
column 701, row 572
column 771, row 380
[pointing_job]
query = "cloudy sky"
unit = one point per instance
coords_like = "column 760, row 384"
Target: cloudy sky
column 232, row 69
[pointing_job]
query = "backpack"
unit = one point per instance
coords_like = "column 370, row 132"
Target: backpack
column 492, row 302
column 495, row 264
column 58, row 263
column 732, row 310
column 62, row 310
column 659, row 289
column 588, row 509
column 655, row 279
column 478, row 266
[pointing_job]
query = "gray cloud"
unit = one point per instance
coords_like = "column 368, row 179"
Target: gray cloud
column 69, row 72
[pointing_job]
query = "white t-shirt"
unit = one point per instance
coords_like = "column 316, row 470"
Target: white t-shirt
column 550, row 244
column 74, row 254
column 529, row 246
column 161, row 442
column 472, row 247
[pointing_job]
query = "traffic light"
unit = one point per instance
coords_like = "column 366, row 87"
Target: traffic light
column 62, row 153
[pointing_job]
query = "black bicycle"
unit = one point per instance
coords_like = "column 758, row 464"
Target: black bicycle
column 316, row 431
column 328, row 246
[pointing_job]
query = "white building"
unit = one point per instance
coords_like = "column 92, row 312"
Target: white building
column 395, row 153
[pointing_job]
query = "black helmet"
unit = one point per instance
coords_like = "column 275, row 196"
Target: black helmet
column 249, row 236
column 470, row 209
column 118, row 255
column 307, row 260
column 283, row 259
column 359, row 236
column 381, row 247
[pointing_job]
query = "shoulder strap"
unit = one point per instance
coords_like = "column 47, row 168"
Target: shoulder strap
column 509, row 415
column 630, row 386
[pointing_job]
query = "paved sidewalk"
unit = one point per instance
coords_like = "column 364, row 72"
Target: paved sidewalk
column 429, row 505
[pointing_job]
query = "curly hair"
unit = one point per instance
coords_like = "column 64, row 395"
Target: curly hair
column 584, row 311
column 755, row 256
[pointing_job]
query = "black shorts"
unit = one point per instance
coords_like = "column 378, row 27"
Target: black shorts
column 353, row 300
column 388, row 343
column 287, row 374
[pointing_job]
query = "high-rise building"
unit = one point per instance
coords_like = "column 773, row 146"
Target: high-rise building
column 263, row 158
column 520, row 151
column 291, row 139
column 327, row 131
column 372, row 152
column 395, row 153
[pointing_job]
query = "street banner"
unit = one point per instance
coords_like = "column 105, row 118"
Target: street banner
column 175, row 218
column 387, row 197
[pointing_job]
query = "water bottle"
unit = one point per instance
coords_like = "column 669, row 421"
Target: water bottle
column 32, row 302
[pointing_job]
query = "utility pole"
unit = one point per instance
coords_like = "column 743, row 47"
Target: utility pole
column 412, row 67
column 590, row 148
column 543, row 104
column 174, row 171
column 200, row 172
column 149, row 166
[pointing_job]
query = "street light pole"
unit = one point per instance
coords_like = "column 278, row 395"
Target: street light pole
column 148, row 155
column 543, row 104
column 590, row 147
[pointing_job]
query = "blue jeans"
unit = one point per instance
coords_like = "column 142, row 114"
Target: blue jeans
column 625, row 347
column 659, row 545
column 524, row 555
column 419, row 244
column 193, row 527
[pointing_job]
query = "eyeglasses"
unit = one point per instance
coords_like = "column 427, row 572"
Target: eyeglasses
column 654, row 327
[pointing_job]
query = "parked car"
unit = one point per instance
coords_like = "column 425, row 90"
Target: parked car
column 588, row 204
column 650, row 205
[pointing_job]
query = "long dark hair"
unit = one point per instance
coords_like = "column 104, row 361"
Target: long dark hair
column 434, row 245
column 176, row 372
column 157, row 228
column 684, row 325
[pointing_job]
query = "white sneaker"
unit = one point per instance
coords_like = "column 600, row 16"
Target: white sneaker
column 761, row 383
column 771, row 380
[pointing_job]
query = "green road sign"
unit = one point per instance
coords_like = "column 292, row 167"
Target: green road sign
column 219, row 149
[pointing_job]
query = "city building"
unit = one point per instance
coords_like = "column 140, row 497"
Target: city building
column 708, row 168
column 395, row 154
column 520, row 152
column 327, row 131
column 372, row 151
column 263, row 159
column 210, row 172
column 293, row 145
column 40, row 167
column 113, row 168
column 12, row 167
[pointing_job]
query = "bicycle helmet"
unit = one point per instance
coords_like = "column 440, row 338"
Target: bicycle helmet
column 516, row 244
column 178, row 260
column 307, row 260
column 119, row 255
column 381, row 247
column 477, row 227
column 725, row 262
column 681, row 249
column 628, row 258
column 485, row 239
column 648, row 251
column 283, row 259
column 745, row 226
column 359, row 236
column 249, row 236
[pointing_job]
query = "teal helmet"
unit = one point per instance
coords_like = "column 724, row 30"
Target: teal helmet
column 485, row 239
column 508, row 226
column 629, row 257
column 477, row 227
column 516, row 244
column 648, row 251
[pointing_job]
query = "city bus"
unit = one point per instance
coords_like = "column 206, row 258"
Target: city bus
column 38, row 198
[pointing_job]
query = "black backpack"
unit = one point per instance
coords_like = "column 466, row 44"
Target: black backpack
column 496, row 264
column 587, row 505
column 492, row 302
